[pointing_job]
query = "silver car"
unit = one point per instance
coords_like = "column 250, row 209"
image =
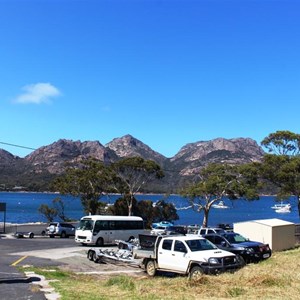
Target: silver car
column 63, row 230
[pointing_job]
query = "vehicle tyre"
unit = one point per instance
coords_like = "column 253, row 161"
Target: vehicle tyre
column 31, row 235
column 196, row 273
column 43, row 233
column 90, row 255
column 95, row 257
column 63, row 235
column 150, row 268
column 99, row 242
column 241, row 260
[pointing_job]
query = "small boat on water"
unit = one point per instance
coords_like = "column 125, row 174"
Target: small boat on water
column 281, row 205
column 283, row 209
column 221, row 204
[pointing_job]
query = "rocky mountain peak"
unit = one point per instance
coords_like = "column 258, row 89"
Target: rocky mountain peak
column 192, row 157
column 7, row 157
column 128, row 146
column 53, row 157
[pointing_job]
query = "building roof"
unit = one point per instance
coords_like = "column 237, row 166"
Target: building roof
column 270, row 222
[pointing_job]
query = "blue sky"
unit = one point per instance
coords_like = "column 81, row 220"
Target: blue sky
column 168, row 72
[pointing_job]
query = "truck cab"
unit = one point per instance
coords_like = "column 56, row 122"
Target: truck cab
column 192, row 255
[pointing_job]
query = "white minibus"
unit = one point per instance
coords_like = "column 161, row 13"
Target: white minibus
column 102, row 229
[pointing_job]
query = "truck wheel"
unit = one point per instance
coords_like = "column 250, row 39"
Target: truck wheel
column 196, row 273
column 150, row 268
column 63, row 235
column 241, row 260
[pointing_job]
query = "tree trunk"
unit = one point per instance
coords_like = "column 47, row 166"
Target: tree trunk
column 130, row 209
column 205, row 218
column 298, row 205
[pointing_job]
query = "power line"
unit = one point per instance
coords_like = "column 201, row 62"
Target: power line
column 24, row 147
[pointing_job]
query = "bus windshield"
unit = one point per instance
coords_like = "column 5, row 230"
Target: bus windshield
column 86, row 224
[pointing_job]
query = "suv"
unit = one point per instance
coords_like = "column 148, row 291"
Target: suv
column 60, row 229
column 233, row 242
column 207, row 230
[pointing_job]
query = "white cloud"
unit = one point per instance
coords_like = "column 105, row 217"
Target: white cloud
column 37, row 93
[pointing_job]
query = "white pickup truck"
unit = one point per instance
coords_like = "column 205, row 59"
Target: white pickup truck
column 192, row 255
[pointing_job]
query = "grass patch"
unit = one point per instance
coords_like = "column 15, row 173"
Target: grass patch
column 277, row 278
column 122, row 281
column 236, row 292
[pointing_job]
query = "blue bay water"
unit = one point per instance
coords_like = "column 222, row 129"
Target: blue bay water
column 23, row 208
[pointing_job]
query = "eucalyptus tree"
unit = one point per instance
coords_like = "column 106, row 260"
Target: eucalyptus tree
column 217, row 181
column 282, row 165
column 89, row 181
column 49, row 212
column 131, row 174
column 282, row 142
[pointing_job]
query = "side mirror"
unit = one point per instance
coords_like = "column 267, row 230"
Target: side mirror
column 223, row 244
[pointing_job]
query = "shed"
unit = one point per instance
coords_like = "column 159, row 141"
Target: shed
column 279, row 234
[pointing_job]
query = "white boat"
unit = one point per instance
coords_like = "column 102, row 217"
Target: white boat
column 281, row 205
column 283, row 209
column 220, row 205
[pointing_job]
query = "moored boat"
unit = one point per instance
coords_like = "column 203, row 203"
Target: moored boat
column 221, row 204
column 283, row 209
column 281, row 205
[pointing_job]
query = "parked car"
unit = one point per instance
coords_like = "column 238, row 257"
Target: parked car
column 250, row 251
column 176, row 229
column 159, row 230
column 60, row 229
column 207, row 230
column 162, row 224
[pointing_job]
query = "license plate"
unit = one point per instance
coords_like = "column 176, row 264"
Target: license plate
column 266, row 255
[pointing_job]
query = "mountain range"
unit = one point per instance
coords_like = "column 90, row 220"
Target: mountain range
column 37, row 169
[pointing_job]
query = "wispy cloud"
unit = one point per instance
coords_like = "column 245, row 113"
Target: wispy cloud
column 37, row 93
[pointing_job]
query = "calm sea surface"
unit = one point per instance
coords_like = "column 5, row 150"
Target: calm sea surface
column 23, row 208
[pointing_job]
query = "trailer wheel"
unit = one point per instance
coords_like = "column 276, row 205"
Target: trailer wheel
column 150, row 268
column 196, row 273
column 90, row 255
column 95, row 257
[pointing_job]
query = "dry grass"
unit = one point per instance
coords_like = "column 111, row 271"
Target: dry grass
column 276, row 278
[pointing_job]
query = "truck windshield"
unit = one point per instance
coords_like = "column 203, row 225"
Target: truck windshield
column 85, row 224
column 200, row 245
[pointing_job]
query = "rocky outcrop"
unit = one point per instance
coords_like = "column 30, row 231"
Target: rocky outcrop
column 54, row 157
column 194, row 156
column 128, row 146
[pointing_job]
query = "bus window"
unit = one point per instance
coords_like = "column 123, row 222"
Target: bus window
column 104, row 225
column 112, row 225
column 97, row 227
